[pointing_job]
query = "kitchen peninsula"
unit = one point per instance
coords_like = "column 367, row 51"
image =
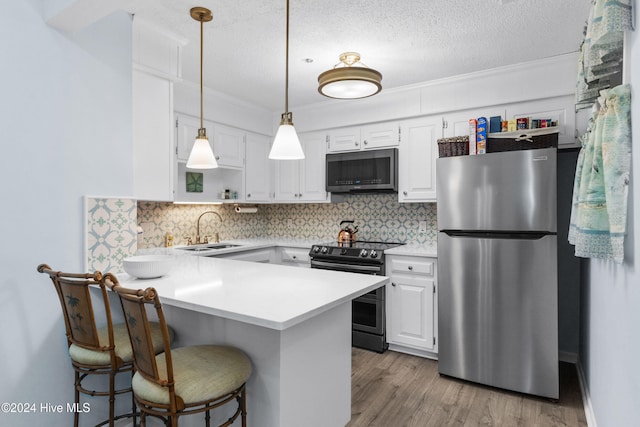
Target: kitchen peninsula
column 294, row 323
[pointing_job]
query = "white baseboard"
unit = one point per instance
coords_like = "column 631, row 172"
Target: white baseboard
column 586, row 398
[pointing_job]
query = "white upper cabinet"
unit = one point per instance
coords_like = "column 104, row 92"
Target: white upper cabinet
column 227, row 142
column 313, row 168
column 257, row 168
column 228, row 146
column 303, row 180
column 417, row 163
column 344, row 139
column 155, row 50
column 186, row 132
column 369, row 137
column 153, row 171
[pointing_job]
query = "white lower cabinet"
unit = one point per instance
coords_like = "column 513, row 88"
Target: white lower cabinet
column 412, row 305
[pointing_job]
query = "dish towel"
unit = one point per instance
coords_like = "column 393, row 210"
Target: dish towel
column 601, row 186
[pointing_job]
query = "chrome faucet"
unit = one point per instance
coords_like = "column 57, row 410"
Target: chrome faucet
column 206, row 240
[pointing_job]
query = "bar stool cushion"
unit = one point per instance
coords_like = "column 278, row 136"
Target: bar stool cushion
column 122, row 345
column 201, row 373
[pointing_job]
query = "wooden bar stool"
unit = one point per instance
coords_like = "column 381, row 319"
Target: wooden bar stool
column 181, row 381
column 102, row 351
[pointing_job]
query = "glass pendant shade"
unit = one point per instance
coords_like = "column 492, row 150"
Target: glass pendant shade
column 201, row 156
column 286, row 145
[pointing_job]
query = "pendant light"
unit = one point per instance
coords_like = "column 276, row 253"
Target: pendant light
column 286, row 145
column 201, row 156
column 350, row 79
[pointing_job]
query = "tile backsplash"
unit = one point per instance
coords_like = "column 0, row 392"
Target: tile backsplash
column 379, row 217
column 110, row 232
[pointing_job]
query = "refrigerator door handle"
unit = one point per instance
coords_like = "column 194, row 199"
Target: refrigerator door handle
column 518, row 235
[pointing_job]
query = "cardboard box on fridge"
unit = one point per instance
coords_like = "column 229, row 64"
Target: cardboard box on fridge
column 473, row 124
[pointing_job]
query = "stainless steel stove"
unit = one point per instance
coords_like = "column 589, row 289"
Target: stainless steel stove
column 368, row 311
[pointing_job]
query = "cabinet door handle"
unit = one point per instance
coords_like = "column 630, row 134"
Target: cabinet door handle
column 365, row 142
column 357, row 143
column 393, row 284
column 410, row 267
column 404, row 193
column 294, row 257
column 217, row 157
column 249, row 195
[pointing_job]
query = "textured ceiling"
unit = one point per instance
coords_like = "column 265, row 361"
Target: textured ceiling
column 408, row 41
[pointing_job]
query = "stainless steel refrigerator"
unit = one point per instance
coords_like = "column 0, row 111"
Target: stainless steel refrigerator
column 497, row 270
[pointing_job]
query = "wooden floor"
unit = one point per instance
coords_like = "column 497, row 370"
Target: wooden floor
column 395, row 390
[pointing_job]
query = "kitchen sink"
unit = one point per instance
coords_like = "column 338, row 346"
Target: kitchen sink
column 208, row 247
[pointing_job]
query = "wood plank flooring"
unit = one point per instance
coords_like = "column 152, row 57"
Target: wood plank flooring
column 399, row 390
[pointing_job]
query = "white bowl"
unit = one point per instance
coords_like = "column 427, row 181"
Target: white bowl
column 147, row 266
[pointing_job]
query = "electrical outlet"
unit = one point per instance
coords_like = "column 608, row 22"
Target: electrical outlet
column 422, row 226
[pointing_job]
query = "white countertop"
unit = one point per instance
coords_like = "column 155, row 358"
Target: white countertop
column 414, row 249
column 272, row 296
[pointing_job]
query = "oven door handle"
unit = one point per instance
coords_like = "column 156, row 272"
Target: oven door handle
column 346, row 267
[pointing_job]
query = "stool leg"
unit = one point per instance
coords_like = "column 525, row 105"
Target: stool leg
column 76, row 415
column 207, row 419
column 112, row 397
column 243, row 403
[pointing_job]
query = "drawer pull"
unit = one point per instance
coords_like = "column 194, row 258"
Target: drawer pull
column 410, row 268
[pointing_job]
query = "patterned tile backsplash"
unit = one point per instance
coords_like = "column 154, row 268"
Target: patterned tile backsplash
column 379, row 217
column 111, row 233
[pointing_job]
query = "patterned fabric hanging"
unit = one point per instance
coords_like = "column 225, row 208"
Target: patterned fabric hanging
column 600, row 62
column 599, row 208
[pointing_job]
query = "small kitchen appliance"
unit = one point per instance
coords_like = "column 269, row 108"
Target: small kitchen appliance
column 347, row 235
column 368, row 311
column 366, row 171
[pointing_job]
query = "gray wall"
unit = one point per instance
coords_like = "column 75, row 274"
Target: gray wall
column 610, row 307
column 66, row 115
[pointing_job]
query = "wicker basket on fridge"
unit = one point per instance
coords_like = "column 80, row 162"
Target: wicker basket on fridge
column 524, row 139
column 454, row 146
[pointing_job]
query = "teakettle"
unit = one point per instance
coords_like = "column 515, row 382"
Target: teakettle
column 347, row 234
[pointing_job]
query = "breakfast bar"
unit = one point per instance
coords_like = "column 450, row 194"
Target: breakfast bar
column 294, row 323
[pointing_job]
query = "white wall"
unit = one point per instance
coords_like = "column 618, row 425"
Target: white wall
column 66, row 118
column 610, row 341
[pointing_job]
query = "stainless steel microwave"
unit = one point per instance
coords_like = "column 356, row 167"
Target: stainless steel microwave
column 363, row 171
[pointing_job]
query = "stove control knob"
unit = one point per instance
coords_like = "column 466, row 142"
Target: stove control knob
column 373, row 253
column 316, row 249
column 363, row 253
column 343, row 251
column 324, row 250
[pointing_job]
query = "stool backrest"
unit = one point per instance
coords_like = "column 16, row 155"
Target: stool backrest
column 74, row 293
column 134, row 305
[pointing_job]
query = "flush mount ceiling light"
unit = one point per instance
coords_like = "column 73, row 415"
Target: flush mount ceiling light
column 350, row 79
column 286, row 145
column 201, row 156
